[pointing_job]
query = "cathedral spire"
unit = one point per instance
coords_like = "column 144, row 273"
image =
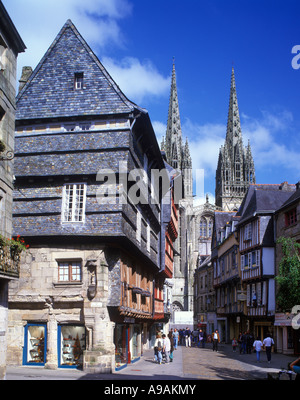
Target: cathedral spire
column 234, row 131
column 235, row 169
column 173, row 141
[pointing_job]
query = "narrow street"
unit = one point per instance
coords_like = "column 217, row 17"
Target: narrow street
column 192, row 364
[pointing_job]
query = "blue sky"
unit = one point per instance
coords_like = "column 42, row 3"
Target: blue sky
column 136, row 41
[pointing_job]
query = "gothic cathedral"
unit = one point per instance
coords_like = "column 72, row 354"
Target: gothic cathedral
column 235, row 172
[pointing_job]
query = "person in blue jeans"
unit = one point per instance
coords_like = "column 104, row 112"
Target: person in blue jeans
column 158, row 349
column 257, row 347
column 175, row 337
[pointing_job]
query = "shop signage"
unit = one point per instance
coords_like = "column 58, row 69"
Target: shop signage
column 128, row 320
column 283, row 319
column 241, row 295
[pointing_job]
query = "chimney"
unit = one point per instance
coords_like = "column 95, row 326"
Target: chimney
column 26, row 72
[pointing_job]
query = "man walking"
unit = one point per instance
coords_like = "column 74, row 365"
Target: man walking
column 187, row 335
column 166, row 347
column 268, row 343
column 215, row 339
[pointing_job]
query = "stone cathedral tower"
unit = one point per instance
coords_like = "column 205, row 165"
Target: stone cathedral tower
column 178, row 156
column 235, row 171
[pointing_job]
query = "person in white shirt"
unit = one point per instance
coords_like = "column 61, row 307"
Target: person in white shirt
column 268, row 343
column 257, row 346
column 166, row 347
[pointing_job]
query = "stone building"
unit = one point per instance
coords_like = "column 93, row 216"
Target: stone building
column 85, row 294
column 11, row 45
column 287, row 224
column 178, row 157
column 235, row 170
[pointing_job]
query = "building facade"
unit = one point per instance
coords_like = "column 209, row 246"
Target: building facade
column 85, row 297
column 287, row 225
column 11, row 45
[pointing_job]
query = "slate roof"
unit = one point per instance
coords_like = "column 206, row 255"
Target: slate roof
column 50, row 91
column 294, row 198
column 220, row 219
column 263, row 202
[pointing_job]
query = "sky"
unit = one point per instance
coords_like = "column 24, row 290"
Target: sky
column 136, row 41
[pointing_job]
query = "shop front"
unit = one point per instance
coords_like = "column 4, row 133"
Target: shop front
column 128, row 343
column 287, row 338
column 71, row 343
column 35, row 344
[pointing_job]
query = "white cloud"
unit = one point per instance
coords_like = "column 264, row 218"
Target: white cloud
column 39, row 21
column 267, row 139
column 137, row 79
column 204, row 142
column 160, row 130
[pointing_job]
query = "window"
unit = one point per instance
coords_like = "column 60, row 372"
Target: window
column 138, row 226
column 148, row 237
column 291, row 217
column 248, row 232
column 74, row 203
column 203, row 227
column 2, row 53
column 78, row 80
column 69, row 271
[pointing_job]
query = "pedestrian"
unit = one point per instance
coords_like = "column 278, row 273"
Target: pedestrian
column 166, row 344
column 158, row 349
column 234, row 344
column 176, row 338
column 243, row 343
column 240, row 342
column 171, row 345
column 181, row 336
column 187, row 335
column 201, row 338
column 268, row 343
column 257, row 347
column 215, row 339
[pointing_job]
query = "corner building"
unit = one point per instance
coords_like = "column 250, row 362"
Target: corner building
column 85, row 293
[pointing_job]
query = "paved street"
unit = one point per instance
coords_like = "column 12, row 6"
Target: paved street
column 189, row 364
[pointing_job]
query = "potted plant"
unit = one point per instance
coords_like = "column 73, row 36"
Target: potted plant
column 16, row 247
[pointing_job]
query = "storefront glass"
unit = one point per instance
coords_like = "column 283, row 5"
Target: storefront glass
column 121, row 340
column 71, row 343
column 35, row 344
column 136, row 343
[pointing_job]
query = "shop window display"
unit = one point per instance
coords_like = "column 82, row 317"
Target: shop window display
column 136, row 343
column 72, row 341
column 121, row 346
column 35, row 344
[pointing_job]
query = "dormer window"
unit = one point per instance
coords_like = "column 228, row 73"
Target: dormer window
column 78, row 80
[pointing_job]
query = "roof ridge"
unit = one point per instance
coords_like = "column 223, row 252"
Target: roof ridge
column 70, row 25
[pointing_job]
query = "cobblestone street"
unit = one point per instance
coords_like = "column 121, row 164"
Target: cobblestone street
column 189, row 364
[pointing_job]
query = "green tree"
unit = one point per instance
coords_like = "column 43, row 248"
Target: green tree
column 288, row 278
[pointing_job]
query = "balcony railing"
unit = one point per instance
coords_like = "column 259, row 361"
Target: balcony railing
column 250, row 273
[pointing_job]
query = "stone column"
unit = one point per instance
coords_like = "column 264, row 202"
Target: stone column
column 99, row 357
column 51, row 356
